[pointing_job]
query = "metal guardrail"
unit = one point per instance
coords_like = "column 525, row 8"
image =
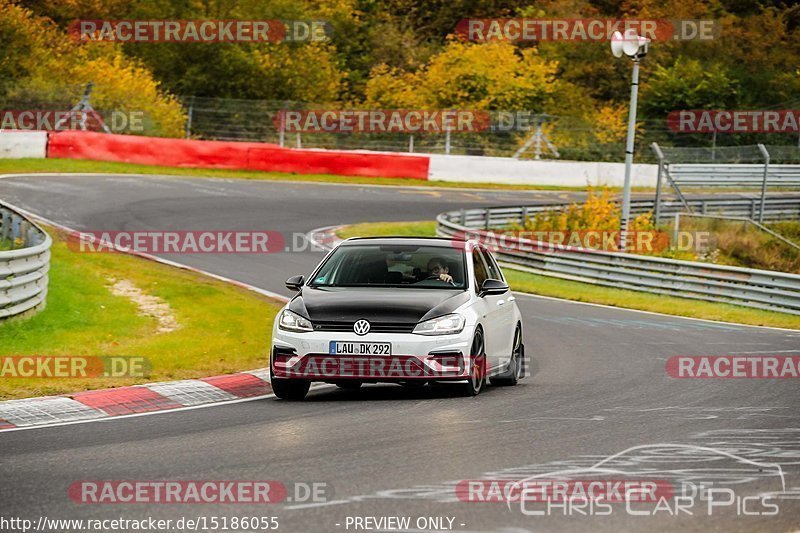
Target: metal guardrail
column 776, row 208
column 741, row 175
column 760, row 289
column 23, row 267
column 734, row 173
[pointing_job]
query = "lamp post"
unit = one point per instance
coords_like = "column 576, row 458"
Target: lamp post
column 635, row 47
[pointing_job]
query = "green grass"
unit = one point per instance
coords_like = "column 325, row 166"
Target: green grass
column 587, row 292
column 738, row 243
column 223, row 328
column 400, row 229
column 16, row 166
column 789, row 229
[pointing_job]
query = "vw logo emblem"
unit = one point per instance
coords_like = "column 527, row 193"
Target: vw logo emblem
column 361, row 327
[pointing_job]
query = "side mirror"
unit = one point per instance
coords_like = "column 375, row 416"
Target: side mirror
column 493, row 287
column 295, row 283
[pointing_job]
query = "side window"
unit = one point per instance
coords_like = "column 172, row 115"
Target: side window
column 494, row 270
column 480, row 269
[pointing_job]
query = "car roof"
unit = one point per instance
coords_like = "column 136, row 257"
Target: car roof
column 413, row 241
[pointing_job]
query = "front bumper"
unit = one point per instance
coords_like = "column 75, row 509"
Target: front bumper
column 414, row 357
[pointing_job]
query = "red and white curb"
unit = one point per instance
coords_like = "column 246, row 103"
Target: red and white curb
column 324, row 238
column 133, row 400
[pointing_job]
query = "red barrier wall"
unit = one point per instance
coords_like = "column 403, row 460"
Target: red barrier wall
column 232, row 155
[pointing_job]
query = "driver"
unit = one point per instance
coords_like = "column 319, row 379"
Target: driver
column 438, row 268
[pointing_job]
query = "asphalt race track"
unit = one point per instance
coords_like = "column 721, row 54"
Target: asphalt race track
column 598, row 388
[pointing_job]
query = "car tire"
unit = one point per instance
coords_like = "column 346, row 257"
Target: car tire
column 290, row 389
column 516, row 365
column 477, row 366
column 352, row 384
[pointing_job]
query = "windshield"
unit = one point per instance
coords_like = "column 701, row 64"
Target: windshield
column 371, row 265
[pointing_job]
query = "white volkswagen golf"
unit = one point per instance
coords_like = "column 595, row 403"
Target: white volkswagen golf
column 401, row 310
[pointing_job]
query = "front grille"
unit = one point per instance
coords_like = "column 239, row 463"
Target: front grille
column 374, row 327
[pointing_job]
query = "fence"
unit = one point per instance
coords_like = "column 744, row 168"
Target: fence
column 725, row 167
column 24, row 264
column 759, row 289
column 561, row 137
column 259, row 120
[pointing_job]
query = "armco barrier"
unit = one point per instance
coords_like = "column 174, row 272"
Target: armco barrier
column 232, row 155
column 776, row 208
column 23, row 269
column 761, row 289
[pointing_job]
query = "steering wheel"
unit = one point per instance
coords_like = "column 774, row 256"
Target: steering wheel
column 436, row 277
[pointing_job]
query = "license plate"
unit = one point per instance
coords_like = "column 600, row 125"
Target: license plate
column 360, row 348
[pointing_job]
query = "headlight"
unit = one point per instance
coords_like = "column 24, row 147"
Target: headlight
column 443, row 325
column 291, row 321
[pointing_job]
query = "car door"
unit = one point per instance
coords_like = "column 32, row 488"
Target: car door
column 491, row 310
column 506, row 324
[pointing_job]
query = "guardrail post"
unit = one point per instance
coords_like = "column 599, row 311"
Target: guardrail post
column 189, row 114
column 675, row 228
column 16, row 221
column 447, row 141
column 703, row 207
column 32, row 239
column 24, row 228
column 5, row 225
column 487, row 213
column 660, row 155
column 524, row 216
column 282, row 122
column 411, row 144
column 463, row 217
column 765, row 153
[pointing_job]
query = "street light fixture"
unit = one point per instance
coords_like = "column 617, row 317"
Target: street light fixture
column 635, row 47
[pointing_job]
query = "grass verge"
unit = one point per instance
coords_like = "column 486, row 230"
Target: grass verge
column 222, row 328
column 400, row 229
column 16, row 166
column 587, row 292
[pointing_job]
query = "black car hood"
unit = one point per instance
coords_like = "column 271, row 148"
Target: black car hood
column 376, row 304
